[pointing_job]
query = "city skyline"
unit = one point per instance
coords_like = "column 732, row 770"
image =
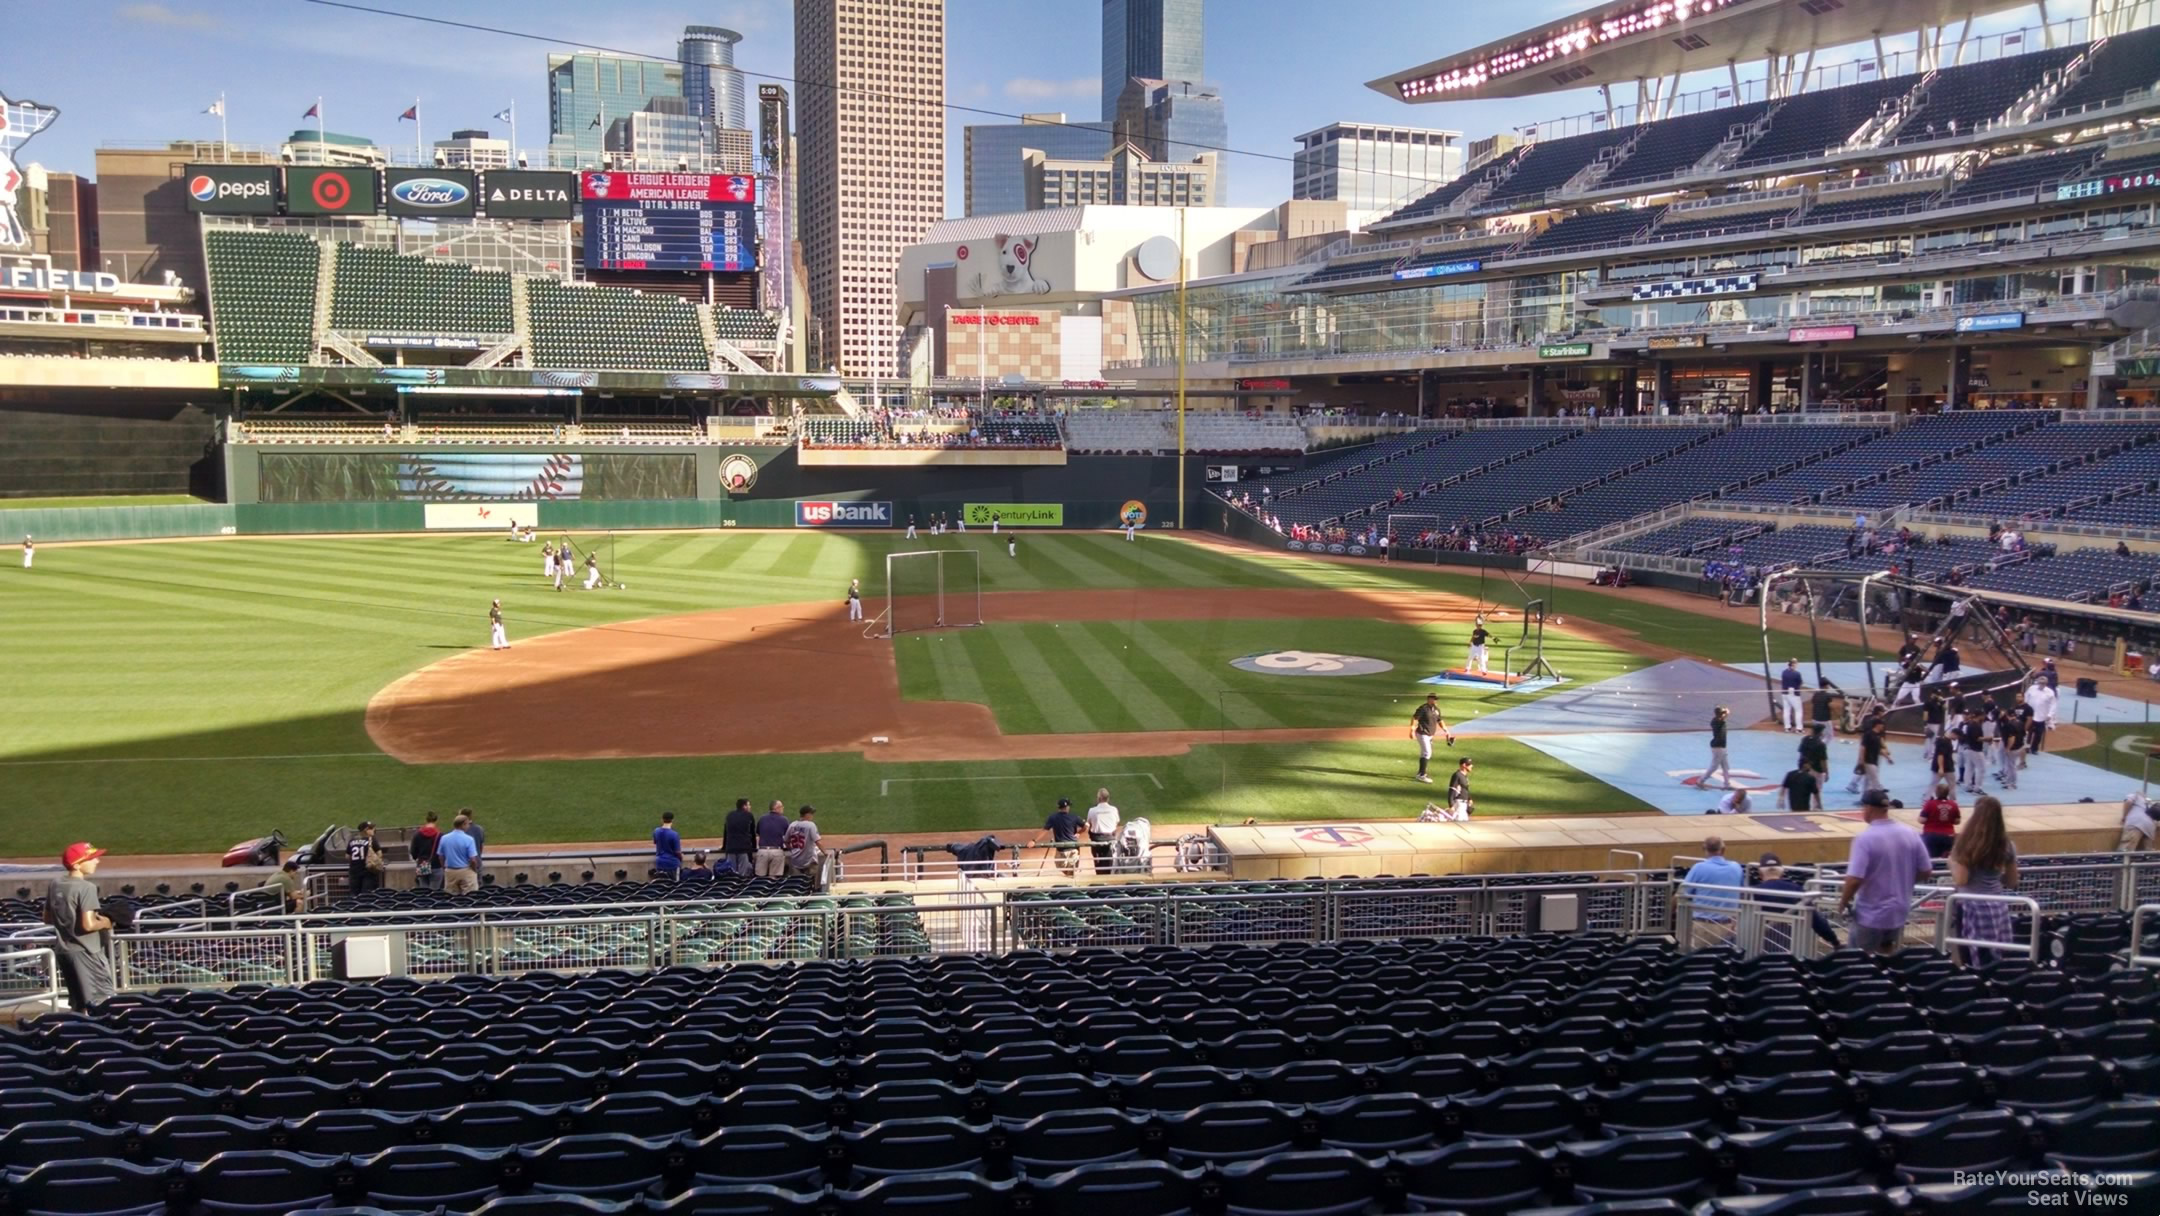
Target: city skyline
column 272, row 58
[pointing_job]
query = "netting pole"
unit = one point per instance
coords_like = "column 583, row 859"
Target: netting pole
column 941, row 589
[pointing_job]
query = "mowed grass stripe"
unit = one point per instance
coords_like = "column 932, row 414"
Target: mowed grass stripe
column 1011, row 665
column 1180, row 667
column 1094, row 685
column 1154, row 703
column 956, row 668
column 1081, row 568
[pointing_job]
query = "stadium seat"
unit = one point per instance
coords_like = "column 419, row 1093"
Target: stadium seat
column 1491, row 1176
column 1648, row 1165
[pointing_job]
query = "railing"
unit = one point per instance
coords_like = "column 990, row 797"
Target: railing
column 1947, row 926
column 29, row 975
column 2140, row 941
column 1750, row 200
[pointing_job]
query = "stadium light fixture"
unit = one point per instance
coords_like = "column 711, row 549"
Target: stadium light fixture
column 1555, row 42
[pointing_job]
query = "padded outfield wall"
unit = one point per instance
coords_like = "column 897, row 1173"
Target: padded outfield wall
column 301, row 489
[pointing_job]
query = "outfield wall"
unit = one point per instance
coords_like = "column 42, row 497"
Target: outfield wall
column 378, row 489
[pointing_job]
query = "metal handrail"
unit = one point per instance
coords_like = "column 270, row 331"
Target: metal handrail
column 38, row 957
column 2138, row 918
column 1946, row 928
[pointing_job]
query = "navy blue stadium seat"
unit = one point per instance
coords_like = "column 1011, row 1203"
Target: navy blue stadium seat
column 1491, row 1176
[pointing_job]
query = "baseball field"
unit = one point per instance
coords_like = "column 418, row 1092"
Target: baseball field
column 177, row 697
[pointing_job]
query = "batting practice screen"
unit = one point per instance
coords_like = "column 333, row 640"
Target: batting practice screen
column 932, row 589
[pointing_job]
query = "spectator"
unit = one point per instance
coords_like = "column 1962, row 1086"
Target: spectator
column 1064, row 831
column 1939, row 818
column 1887, row 861
column 667, row 847
column 287, row 880
column 363, row 859
column 738, row 838
column 1102, row 830
column 2137, row 826
column 700, row 868
column 459, row 853
column 772, row 830
column 1770, row 878
column 427, row 874
column 1984, row 862
column 479, row 839
column 801, row 843
column 1713, row 910
column 1735, row 802
column 82, row 933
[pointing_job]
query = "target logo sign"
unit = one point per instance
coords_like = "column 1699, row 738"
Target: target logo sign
column 331, row 193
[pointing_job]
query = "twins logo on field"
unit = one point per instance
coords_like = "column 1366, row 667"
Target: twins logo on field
column 1311, row 663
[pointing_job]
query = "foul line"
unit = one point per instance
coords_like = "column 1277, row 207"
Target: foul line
column 200, row 759
column 885, row 786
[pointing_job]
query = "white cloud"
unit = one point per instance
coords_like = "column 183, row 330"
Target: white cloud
column 158, row 14
column 1030, row 88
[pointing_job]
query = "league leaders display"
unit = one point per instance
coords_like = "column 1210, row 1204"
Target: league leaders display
column 669, row 221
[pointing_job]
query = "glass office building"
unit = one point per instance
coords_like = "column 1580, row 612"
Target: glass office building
column 1373, row 166
column 995, row 178
column 1175, row 121
column 1152, row 39
column 710, row 81
column 587, row 92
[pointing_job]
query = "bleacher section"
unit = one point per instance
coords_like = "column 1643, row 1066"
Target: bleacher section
column 1728, row 459
column 1925, row 439
column 2079, row 575
column 2069, row 490
column 1441, row 199
column 2025, row 453
column 746, row 326
column 1404, row 466
column 604, row 328
column 1961, row 98
column 2128, row 61
column 1679, row 227
column 1591, row 229
column 262, row 295
column 2022, row 173
column 1550, row 163
column 1675, row 145
column 1218, row 431
column 1868, row 207
column 377, row 291
column 1805, row 125
column 1479, row 1075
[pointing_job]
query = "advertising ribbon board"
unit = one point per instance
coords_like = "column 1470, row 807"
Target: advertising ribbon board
column 1989, row 322
column 847, row 514
column 1823, row 333
column 480, row 516
column 1677, row 342
column 1015, row 514
column 1564, row 350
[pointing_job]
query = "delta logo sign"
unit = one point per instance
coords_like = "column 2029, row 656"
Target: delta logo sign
column 812, row 514
column 434, row 192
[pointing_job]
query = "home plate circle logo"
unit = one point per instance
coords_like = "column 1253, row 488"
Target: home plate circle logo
column 1311, row 663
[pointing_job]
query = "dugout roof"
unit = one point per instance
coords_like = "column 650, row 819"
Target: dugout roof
column 1630, row 40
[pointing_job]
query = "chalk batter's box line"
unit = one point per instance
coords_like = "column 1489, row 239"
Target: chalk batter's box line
column 885, row 786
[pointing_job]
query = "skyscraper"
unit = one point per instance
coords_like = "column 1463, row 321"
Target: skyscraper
column 1175, row 122
column 870, row 136
column 1373, row 166
column 710, row 81
column 588, row 91
column 1156, row 39
column 994, row 179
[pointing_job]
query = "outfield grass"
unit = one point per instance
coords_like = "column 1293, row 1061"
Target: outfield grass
column 178, row 697
column 103, row 500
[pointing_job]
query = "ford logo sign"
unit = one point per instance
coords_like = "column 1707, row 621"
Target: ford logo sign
column 430, row 192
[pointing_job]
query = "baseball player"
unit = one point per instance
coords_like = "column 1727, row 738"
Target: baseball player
column 497, row 639
column 995, row 519
column 1477, row 647
column 1012, row 544
column 562, row 565
column 1131, row 526
column 592, row 571
column 1424, row 724
column 854, row 599
column 1719, row 763
column 547, row 560
column 1790, row 683
column 911, row 527
column 29, row 552
column 960, row 522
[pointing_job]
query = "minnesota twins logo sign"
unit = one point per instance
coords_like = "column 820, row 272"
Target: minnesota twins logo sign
column 19, row 120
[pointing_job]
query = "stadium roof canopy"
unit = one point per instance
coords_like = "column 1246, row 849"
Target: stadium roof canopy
column 1632, row 40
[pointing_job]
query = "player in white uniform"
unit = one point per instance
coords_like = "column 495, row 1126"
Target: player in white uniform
column 1012, row 544
column 592, row 571
column 29, row 552
column 1130, row 527
column 1477, row 647
column 497, row 640
column 995, row 519
column 911, row 527
column 547, row 560
column 854, row 599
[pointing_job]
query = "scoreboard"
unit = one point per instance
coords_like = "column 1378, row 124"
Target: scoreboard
column 669, row 221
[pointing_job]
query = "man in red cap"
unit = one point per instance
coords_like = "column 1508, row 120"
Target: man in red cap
column 83, row 931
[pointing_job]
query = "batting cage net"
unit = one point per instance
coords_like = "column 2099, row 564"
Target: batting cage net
column 932, row 589
column 1413, row 533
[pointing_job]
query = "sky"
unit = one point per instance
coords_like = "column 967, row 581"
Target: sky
column 143, row 71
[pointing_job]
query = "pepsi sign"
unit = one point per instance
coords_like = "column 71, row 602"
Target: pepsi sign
column 432, row 192
column 230, row 189
column 817, row 514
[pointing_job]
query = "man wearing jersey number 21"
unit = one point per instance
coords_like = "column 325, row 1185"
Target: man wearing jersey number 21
column 1424, row 724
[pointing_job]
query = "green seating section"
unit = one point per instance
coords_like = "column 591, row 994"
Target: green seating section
column 393, row 293
column 739, row 325
column 262, row 295
column 614, row 328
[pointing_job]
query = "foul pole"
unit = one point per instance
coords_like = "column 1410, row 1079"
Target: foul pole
column 1181, row 369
